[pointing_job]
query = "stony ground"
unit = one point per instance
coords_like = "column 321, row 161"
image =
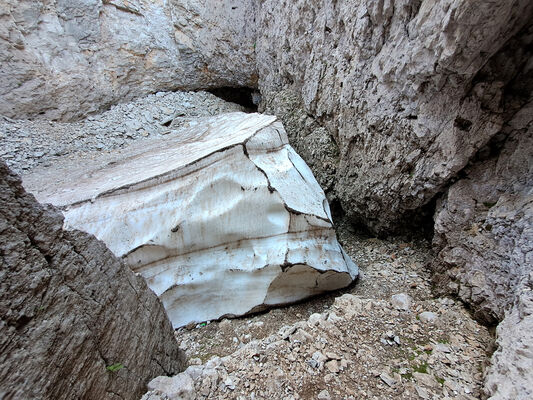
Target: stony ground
column 25, row 145
column 385, row 337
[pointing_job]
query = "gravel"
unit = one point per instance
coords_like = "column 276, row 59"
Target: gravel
column 25, row 145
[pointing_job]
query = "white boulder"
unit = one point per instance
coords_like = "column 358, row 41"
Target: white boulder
column 222, row 218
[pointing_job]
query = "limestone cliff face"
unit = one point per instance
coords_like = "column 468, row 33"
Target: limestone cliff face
column 400, row 87
column 75, row 323
column 418, row 101
column 484, row 239
column 62, row 59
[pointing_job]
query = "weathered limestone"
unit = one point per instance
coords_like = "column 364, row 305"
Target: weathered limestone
column 484, row 234
column 509, row 375
column 400, row 86
column 63, row 59
column 69, row 310
column 484, row 228
column 222, row 218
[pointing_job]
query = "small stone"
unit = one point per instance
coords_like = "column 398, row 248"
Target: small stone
column 286, row 331
column 180, row 386
column 422, row 392
column 319, row 357
column 324, row 395
column 401, row 301
column 314, row 319
column 333, row 366
column 195, row 361
column 442, row 347
column 332, row 356
column 427, row 317
column 426, row 379
column 389, row 380
column 229, row 383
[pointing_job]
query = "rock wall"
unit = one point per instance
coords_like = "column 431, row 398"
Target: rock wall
column 509, row 376
column 63, row 59
column 484, row 234
column 399, row 86
column 484, row 226
column 74, row 321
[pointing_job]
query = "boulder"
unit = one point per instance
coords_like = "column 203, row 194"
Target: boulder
column 221, row 218
column 63, row 59
column 75, row 322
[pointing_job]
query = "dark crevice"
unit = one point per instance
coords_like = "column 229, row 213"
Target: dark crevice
column 247, row 97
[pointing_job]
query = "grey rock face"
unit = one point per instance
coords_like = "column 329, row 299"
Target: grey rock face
column 400, row 87
column 69, row 310
column 484, row 230
column 509, row 376
column 62, row 59
column 484, row 226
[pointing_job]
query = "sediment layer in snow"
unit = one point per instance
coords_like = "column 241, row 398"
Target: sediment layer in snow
column 222, row 218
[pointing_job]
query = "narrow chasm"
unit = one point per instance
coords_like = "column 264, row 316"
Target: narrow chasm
column 411, row 133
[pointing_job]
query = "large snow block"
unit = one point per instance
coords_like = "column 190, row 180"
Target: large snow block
column 222, row 218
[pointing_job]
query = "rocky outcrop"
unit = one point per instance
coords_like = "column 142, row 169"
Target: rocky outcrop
column 484, row 231
column 74, row 321
column 509, row 375
column 63, row 59
column 221, row 218
column 484, row 226
column 400, row 87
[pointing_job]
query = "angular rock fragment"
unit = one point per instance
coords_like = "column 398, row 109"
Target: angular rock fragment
column 222, row 218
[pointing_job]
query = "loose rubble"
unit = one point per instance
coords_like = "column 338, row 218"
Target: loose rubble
column 356, row 345
column 25, row 144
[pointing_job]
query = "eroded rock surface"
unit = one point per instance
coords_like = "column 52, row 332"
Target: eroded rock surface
column 509, row 376
column 484, row 227
column 402, row 88
column 69, row 310
column 221, row 218
column 484, row 231
column 63, row 59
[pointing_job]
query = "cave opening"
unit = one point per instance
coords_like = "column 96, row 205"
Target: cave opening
column 247, row 97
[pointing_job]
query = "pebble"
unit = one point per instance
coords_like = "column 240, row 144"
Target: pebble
column 427, row 317
column 333, row 366
column 401, row 301
column 387, row 379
